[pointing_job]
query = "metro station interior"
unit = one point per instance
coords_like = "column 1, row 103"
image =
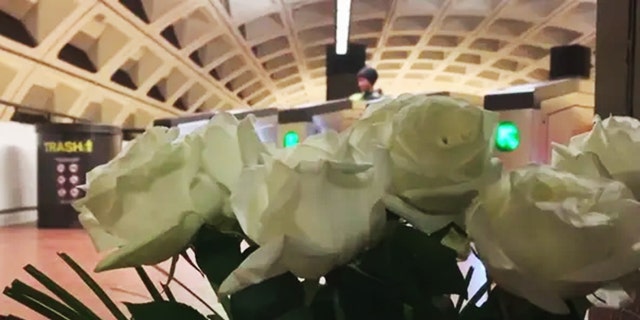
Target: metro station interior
column 134, row 64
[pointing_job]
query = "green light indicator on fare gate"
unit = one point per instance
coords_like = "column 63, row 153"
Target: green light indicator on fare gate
column 507, row 136
column 291, row 139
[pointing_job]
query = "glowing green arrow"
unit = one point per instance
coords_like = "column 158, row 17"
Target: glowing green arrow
column 507, row 136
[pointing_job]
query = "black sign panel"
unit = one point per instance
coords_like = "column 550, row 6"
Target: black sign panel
column 66, row 152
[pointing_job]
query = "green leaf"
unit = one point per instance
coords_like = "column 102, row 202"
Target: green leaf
column 303, row 313
column 247, row 252
column 20, row 288
column 484, row 289
column 60, row 292
column 503, row 305
column 433, row 265
column 325, row 304
column 391, row 216
column 217, row 254
column 440, row 307
column 457, row 240
column 485, row 312
column 362, row 297
column 311, row 288
column 269, row 299
column 163, row 310
column 408, row 312
column 34, row 305
column 442, row 233
column 94, row 286
column 579, row 306
column 467, row 281
column 407, row 276
column 414, row 265
column 489, row 310
column 10, row 317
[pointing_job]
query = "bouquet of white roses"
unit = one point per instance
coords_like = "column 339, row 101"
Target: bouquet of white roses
column 369, row 223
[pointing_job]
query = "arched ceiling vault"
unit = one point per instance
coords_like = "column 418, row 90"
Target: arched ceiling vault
column 130, row 61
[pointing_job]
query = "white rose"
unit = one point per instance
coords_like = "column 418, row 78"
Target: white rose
column 546, row 234
column 155, row 195
column 307, row 218
column 374, row 128
column 328, row 145
column 441, row 152
column 611, row 148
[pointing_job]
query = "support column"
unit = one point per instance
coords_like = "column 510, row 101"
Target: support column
column 618, row 59
column 617, row 84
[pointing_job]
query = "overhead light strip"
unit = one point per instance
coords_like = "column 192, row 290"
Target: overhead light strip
column 343, row 20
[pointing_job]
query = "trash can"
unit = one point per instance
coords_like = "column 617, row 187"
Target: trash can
column 66, row 152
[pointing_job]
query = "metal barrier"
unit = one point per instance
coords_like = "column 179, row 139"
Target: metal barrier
column 30, row 115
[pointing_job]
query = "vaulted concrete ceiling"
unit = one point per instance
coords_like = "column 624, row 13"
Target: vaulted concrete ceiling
column 130, row 61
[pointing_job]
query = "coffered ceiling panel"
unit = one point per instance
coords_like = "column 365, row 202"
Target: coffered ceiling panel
column 130, row 61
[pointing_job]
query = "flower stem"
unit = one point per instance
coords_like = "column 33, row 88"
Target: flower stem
column 155, row 294
column 467, row 280
column 164, row 272
column 168, row 293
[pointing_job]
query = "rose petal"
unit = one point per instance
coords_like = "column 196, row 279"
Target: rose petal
column 221, row 156
column 612, row 296
column 155, row 247
column 101, row 239
column 418, row 219
column 260, row 265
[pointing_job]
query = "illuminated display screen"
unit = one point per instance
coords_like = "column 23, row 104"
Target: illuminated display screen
column 507, row 136
column 291, row 139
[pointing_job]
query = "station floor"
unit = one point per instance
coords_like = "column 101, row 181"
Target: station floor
column 24, row 245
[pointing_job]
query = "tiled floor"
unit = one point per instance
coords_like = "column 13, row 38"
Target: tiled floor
column 20, row 246
column 24, row 245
